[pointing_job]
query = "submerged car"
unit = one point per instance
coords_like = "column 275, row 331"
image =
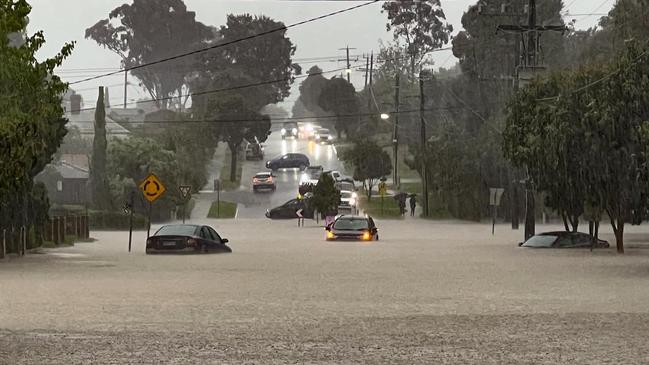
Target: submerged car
column 289, row 161
column 263, row 181
column 186, row 238
column 352, row 227
column 289, row 210
column 348, row 198
column 563, row 239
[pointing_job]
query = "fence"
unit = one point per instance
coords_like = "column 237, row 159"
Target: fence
column 55, row 230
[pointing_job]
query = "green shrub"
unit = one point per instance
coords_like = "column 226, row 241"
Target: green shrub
column 223, row 210
column 99, row 220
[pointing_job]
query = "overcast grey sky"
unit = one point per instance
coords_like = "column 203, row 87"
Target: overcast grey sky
column 66, row 20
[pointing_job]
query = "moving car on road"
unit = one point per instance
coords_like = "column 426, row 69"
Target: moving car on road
column 289, row 210
column 263, row 181
column 352, row 227
column 348, row 198
column 186, row 238
column 289, row 161
column 254, row 151
column 338, row 176
column 562, row 239
column 311, row 175
column 289, row 130
column 323, row 136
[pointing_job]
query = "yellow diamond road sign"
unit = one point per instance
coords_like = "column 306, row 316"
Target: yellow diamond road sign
column 152, row 188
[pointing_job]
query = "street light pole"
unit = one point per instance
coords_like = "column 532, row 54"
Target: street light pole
column 395, row 134
column 424, row 172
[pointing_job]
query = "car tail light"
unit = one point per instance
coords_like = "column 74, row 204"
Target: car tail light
column 192, row 242
column 367, row 236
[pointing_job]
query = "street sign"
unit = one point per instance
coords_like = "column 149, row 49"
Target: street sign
column 126, row 208
column 152, row 188
column 383, row 189
column 495, row 194
column 185, row 191
column 299, row 213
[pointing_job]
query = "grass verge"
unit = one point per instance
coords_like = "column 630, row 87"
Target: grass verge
column 373, row 207
column 222, row 210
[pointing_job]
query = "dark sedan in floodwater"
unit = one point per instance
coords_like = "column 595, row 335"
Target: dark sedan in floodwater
column 562, row 239
column 186, row 238
column 353, row 228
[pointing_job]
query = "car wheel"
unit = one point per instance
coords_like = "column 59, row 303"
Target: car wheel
column 376, row 238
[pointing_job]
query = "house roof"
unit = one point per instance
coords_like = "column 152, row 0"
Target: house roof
column 85, row 121
column 69, row 171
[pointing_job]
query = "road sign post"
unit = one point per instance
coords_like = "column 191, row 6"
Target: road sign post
column 185, row 192
column 495, row 194
column 152, row 189
column 300, row 217
column 128, row 209
column 217, row 187
column 382, row 190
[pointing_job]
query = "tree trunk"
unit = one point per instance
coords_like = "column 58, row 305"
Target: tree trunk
column 370, row 184
column 234, row 151
column 618, row 229
column 565, row 221
column 574, row 222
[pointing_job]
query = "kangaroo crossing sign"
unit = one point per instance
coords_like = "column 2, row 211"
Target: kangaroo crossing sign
column 152, row 188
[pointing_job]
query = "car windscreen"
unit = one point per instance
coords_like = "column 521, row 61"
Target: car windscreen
column 346, row 194
column 540, row 241
column 262, row 176
column 178, row 230
column 351, row 224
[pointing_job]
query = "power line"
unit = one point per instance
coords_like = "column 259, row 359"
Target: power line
column 214, row 91
column 600, row 80
column 220, row 45
column 277, row 120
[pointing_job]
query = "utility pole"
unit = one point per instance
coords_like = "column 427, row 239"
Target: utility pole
column 125, row 86
column 349, row 65
column 423, row 142
column 395, row 133
column 529, row 64
column 367, row 70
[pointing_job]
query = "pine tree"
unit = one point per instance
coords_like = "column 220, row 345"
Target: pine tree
column 98, row 180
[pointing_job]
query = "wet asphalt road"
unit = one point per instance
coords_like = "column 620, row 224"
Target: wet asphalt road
column 255, row 205
column 427, row 293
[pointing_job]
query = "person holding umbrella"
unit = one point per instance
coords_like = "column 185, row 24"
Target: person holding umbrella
column 413, row 204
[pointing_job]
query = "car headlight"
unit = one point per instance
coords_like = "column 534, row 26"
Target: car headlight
column 330, row 138
column 352, row 201
column 294, row 130
column 354, row 196
column 366, row 236
column 317, row 137
column 330, row 235
column 283, row 131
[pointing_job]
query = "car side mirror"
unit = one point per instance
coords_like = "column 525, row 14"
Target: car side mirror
column 225, row 240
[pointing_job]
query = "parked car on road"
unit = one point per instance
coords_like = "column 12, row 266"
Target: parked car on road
column 263, row 181
column 289, row 130
column 289, row 209
column 563, row 239
column 289, row 161
column 254, row 151
column 186, row 238
column 352, row 227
